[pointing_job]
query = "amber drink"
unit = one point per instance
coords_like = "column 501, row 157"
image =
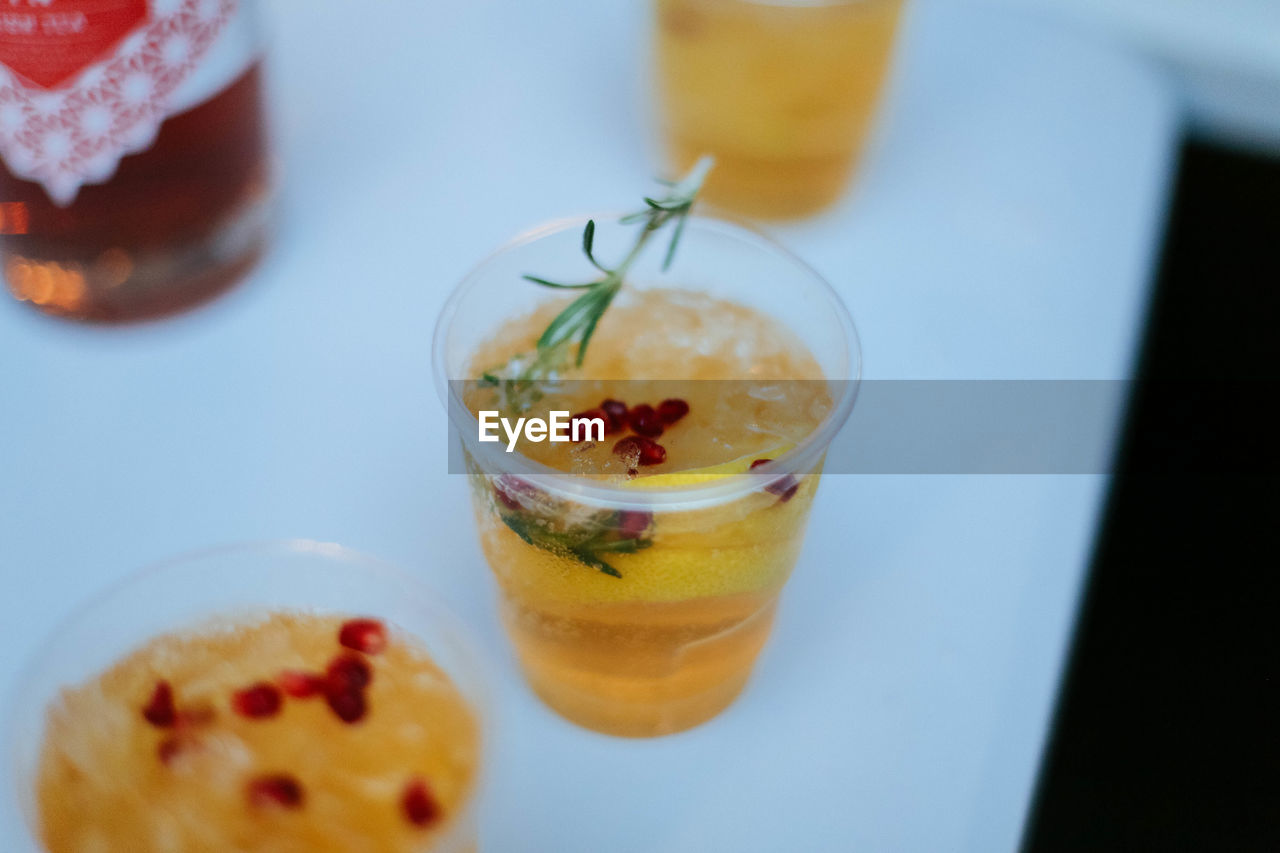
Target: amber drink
column 274, row 725
column 782, row 92
column 639, row 573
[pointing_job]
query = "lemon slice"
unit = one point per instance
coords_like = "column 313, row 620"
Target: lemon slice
column 696, row 476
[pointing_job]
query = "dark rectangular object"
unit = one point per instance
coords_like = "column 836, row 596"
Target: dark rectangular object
column 1165, row 736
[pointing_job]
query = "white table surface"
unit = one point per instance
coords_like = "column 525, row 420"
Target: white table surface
column 1003, row 228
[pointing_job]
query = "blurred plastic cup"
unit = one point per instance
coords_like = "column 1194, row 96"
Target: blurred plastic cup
column 782, row 92
column 225, row 586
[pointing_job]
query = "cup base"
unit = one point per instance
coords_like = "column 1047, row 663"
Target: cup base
column 777, row 188
column 637, row 719
column 637, row 680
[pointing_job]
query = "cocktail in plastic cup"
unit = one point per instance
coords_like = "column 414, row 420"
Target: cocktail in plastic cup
column 283, row 696
column 783, row 93
column 638, row 591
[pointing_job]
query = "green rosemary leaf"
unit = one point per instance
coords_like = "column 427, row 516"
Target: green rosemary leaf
column 596, row 563
column 668, row 205
column 565, row 323
column 587, row 332
column 623, row 546
column 577, row 322
column 588, row 239
column 520, row 528
column 675, row 241
column 545, row 283
column 537, row 536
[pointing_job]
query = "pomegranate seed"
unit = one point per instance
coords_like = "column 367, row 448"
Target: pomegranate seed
column 652, row 453
column 517, row 486
column 276, row 790
column 645, row 420
column 670, row 411
column 632, row 524
column 301, row 685
column 419, row 804
column 159, row 710
column 616, row 410
column 587, row 429
column 785, row 488
column 349, row 705
column 513, row 492
column 347, row 672
column 646, row 451
column 257, row 701
column 504, row 498
column 364, row 635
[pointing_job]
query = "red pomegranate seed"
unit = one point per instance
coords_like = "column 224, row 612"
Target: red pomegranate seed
column 419, row 804
column 645, row 450
column 632, row 524
column 785, row 488
column 364, row 635
column 645, row 420
column 672, row 410
column 616, row 411
column 349, row 705
column 159, row 710
column 652, row 453
column 347, row 672
column 277, row 790
column 586, row 430
column 301, row 685
column 513, row 492
column 505, row 499
column 257, row 701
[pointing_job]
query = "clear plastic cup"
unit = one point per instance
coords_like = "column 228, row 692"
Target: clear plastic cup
column 782, row 92
column 671, row 642
column 223, row 586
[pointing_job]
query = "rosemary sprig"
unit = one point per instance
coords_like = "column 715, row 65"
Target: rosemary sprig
column 563, row 344
column 585, row 543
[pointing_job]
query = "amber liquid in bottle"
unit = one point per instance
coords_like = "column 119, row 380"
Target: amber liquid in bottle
column 174, row 226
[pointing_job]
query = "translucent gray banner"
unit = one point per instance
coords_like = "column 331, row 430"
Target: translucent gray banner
column 972, row 426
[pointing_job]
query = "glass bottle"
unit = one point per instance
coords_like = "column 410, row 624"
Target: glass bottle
column 134, row 173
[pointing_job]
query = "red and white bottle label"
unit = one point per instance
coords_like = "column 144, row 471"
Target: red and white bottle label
column 85, row 82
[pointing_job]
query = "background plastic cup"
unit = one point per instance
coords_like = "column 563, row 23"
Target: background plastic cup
column 234, row 582
column 782, row 92
column 671, row 642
